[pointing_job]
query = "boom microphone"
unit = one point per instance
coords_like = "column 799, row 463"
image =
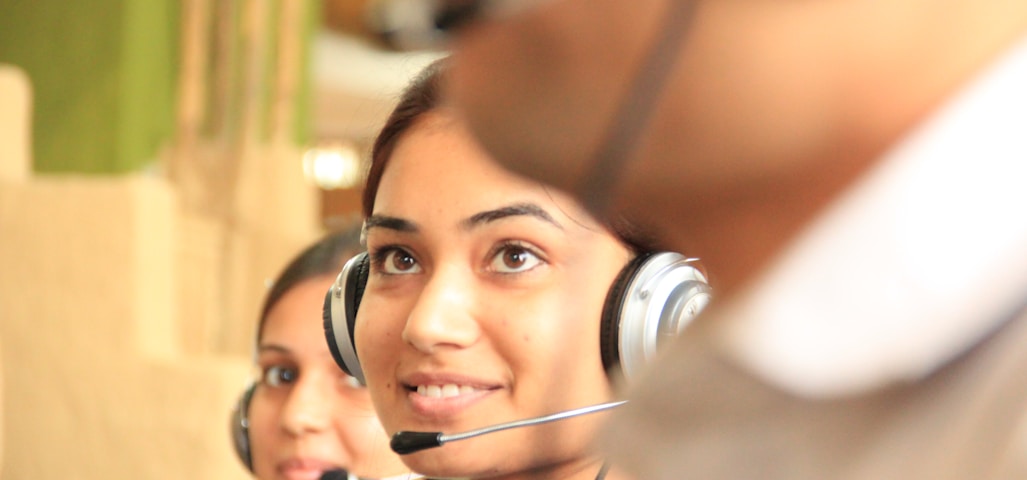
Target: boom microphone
column 341, row 474
column 404, row 442
column 335, row 475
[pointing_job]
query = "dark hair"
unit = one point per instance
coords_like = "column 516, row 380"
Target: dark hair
column 326, row 257
column 422, row 96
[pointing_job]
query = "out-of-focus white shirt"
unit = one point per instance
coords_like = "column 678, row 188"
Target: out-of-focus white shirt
column 914, row 264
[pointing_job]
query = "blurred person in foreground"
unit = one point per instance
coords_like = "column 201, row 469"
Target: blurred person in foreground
column 851, row 172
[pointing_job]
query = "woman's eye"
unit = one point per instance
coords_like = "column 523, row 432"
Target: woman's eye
column 398, row 262
column 514, row 259
column 279, row 375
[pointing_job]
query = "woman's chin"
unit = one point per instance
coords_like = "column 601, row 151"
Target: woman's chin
column 442, row 464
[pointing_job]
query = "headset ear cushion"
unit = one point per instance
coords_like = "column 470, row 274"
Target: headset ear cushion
column 355, row 291
column 340, row 314
column 240, row 427
column 609, row 327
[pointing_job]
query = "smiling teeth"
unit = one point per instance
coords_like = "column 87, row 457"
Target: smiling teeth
column 443, row 391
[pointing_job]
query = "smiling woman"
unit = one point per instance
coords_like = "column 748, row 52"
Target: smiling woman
column 485, row 300
column 304, row 416
column 471, row 270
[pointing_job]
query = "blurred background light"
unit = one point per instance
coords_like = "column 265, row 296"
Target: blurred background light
column 333, row 166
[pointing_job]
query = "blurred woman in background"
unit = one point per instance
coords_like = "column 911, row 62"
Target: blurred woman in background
column 305, row 416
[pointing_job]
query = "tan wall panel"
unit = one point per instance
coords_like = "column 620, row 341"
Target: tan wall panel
column 94, row 388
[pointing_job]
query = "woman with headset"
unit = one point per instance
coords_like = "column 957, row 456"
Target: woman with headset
column 483, row 298
column 305, row 417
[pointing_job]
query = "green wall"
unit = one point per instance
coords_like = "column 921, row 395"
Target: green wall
column 103, row 75
column 104, row 78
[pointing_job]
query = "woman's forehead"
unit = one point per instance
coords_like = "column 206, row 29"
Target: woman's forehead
column 438, row 164
column 469, row 206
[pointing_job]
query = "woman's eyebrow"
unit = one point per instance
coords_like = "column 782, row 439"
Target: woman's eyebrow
column 516, row 209
column 272, row 347
column 391, row 223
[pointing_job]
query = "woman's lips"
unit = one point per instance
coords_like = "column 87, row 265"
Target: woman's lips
column 441, row 396
column 440, row 408
column 305, row 468
column 445, row 391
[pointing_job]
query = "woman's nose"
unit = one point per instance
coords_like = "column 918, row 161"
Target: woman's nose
column 308, row 408
column 443, row 315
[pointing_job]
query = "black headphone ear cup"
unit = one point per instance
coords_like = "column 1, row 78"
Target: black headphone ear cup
column 340, row 314
column 357, row 284
column 240, row 427
column 652, row 299
column 609, row 327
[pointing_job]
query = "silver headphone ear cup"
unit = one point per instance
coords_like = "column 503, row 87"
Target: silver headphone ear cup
column 340, row 313
column 663, row 295
column 239, row 426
